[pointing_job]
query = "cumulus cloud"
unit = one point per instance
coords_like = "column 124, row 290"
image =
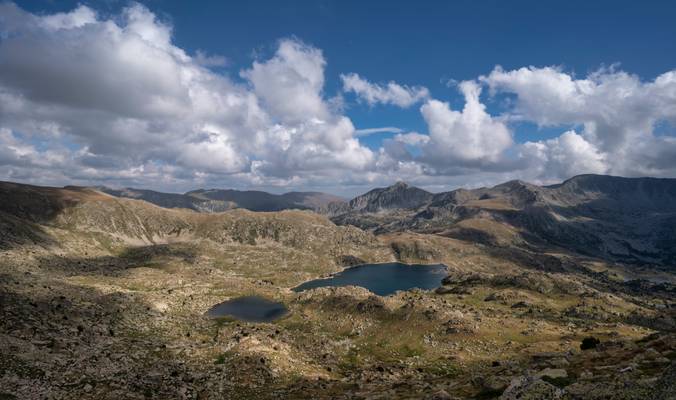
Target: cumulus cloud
column 564, row 156
column 467, row 136
column 307, row 135
column 125, row 98
column 74, row 19
column 119, row 88
column 617, row 112
column 391, row 93
column 412, row 138
column 91, row 99
column 290, row 83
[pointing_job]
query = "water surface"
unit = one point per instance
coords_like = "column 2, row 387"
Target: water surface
column 249, row 308
column 383, row 279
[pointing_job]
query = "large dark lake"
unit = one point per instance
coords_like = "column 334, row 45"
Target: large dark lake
column 383, row 279
column 248, row 308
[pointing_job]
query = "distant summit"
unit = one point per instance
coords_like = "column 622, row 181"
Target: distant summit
column 217, row 200
column 398, row 196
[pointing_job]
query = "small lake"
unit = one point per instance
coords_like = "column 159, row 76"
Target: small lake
column 248, row 308
column 383, row 279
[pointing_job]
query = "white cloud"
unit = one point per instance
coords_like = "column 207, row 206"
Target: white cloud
column 92, row 99
column 74, row 19
column 126, row 99
column 467, row 136
column 412, row 138
column 308, row 136
column 391, row 93
column 290, row 84
column 371, row 131
column 209, row 60
column 617, row 111
column 564, row 156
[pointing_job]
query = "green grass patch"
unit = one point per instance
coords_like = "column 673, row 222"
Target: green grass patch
column 443, row 368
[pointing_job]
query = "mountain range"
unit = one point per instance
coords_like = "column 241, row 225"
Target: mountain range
column 563, row 292
column 217, row 200
column 613, row 218
column 628, row 219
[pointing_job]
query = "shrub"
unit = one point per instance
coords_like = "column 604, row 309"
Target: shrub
column 589, row 343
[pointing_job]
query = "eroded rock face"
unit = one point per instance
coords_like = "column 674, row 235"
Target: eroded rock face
column 531, row 388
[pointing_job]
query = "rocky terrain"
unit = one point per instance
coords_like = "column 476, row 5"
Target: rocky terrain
column 620, row 219
column 552, row 293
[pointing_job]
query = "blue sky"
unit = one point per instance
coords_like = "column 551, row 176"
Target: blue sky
column 434, row 45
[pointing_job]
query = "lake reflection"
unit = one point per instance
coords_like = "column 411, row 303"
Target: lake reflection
column 249, row 308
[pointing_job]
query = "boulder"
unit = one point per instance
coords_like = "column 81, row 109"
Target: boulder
column 531, row 388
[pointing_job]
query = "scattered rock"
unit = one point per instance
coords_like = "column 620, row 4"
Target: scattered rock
column 553, row 373
column 531, row 388
column 440, row 395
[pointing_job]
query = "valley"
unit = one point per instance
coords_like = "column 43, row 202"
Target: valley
column 105, row 296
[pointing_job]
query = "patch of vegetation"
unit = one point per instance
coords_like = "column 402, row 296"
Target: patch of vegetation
column 220, row 359
column 646, row 339
column 391, row 350
column 443, row 369
column 406, row 351
column 589, row 343
column 489, row 394
column 224, row 320
column 559, row 382
column 351, row 362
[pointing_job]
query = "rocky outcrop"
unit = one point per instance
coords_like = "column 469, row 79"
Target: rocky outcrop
column 531, row 388
column 398, row 196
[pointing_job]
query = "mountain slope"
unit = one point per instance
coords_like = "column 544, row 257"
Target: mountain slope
column 312, row 200
column 262, row 201
column 124, row 222
column 169, row 200
column 217, row 200
column 626, row 219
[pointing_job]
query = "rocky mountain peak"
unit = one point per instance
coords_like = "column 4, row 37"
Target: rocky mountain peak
column 398, row 196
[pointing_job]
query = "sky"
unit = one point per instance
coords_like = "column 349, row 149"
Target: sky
column 335, row 96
